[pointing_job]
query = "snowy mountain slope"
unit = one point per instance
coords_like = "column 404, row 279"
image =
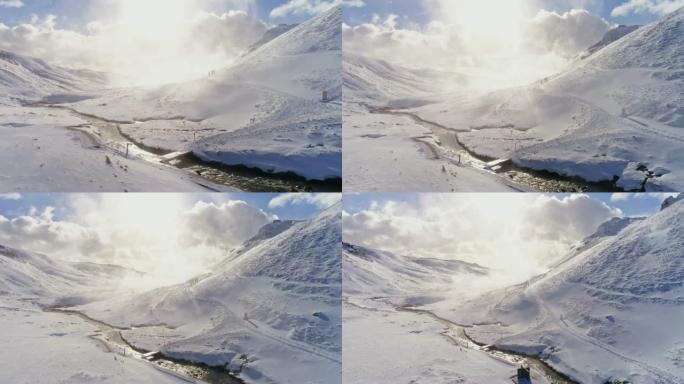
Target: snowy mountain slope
column 369, row 272
column 610, row 311
column 264, row 109
column 273, row 308
column 370, row 80
column 615, row 115
column 271, row 34
column 28, row 274
column 41, row 346
column 28, row 79
column 610, row 37
column 383, row 344
column 266, row 232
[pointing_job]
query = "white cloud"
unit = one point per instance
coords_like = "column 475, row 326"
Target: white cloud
column 225, row 225
column 128, row 40
column 10, row 196
column 620, row 196
column 167, row 235
column 497, row 43
column 434, row 43
column 311, row 7
column 321, row 200
column 653, row 195
column 40, row 232
column 564, row 34
column 522, row 233
column 11, row 3
column 655, row 7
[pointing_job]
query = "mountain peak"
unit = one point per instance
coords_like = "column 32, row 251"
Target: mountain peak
column 610, row 37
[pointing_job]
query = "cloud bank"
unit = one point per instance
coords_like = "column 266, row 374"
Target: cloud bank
column 11, row 3
column 497, row 43
column 640, row 7
column 320, row 200
column 311, row 7
column 162, row 234
column 523, row 234
column 136, row 44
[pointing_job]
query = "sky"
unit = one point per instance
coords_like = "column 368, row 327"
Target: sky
column 521, row 233
column 419, row 12
column 145, row 42
column 172, row 237
column 496, row 43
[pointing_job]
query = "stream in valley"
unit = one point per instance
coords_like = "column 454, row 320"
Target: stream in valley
column 107, row 133
column 457, row 334
column 111, row 340
column 451, row 149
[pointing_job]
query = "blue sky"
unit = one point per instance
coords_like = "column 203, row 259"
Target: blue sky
column 10, row 208
column 414, row 11
column 74, row 14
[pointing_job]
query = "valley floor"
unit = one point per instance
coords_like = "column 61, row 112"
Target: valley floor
column 44, row 347
column 392, row 153
column 415, row 349
column 49, row 150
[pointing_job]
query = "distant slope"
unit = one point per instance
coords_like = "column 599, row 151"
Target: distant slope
column 274, row 307
column 369, row 272
column 32, row 275
column 28, row 79
column 610, row 37
column 377, row 80
column 607, row 312
column 271, row 34
column 616, row 115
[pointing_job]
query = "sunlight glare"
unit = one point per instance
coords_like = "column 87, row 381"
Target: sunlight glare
column 493, row 23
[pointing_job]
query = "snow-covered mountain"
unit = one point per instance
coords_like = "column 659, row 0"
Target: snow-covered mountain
column 610, row 311
column 276, row 108
column 29, row 79
column 32, row 275
column 371, row 80
column 610, row 37
column 272, row 310
column 271, row 34
column 616, row 115
column 368, row 272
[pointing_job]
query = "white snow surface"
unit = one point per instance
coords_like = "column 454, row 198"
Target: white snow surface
column 405, row 279
column 55, row 348
column 276, row 302
column 384, row 345
column 39, row 153
column 611, row 310
column 23, row 78
column 30, row 275
column 616, row 115
column 392, row 153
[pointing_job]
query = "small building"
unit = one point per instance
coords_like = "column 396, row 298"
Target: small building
column 326, row 97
